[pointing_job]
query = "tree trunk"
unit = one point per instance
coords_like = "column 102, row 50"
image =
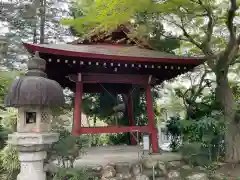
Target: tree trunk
column 35, row 34
column 94, row 138
column 232, row 142
column 42, row 20
column 232, row 133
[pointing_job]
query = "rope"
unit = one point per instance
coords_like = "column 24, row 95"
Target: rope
column 107, row 91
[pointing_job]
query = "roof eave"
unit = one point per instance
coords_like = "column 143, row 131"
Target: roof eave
column 182, row 60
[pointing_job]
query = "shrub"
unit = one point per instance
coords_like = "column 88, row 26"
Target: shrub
column 9, row 163
column 195, row 154
column 68, row 148
column 121, row 138
column 72, row 174
column 174, row 129
column 202, row 137
column 3, row 136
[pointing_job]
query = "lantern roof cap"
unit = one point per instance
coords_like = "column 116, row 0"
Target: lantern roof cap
column 35, row 88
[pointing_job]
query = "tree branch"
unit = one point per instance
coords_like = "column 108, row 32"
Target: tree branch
column 185, row 33
column 168, row 36
column 210, row 25
column 238, row 40
column 209, row 33
column 230, row 18
column 201, row 87
column 235, row 60
column 234, row 41
column 183, row 96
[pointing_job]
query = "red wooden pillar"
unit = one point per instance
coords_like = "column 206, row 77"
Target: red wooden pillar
column 151, row 120
column 76, row 129
column 131, row 119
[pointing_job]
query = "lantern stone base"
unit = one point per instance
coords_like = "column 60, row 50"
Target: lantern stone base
column 32, row 152
column 32, row 165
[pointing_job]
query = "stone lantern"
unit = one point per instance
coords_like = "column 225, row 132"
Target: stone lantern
column 34, row 95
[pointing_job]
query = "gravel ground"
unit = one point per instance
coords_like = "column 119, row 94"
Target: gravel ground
column 104, row 155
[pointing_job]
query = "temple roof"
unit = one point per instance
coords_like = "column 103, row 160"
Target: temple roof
column 121, row 53
column 110, row 53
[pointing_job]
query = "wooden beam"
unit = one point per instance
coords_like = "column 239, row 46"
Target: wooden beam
column 131, row 118
column 113, row 129
column 115, row 78
column 151, row 119
column 77, row 107
column 98, row 88
column 91, row 78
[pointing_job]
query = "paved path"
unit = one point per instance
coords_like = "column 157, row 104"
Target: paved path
column 104, row 155
column 111, row 154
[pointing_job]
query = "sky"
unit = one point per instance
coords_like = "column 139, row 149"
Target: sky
column 3, row 28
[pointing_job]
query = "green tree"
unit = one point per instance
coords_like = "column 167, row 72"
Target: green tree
column 6, row 78
column 112, row 13
column 219, row 53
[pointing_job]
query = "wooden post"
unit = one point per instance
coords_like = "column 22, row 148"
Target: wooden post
column 76, row 129
column 151, row 120
column 131, row 119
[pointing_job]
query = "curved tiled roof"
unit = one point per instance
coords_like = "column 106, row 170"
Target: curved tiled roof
column 113, row 52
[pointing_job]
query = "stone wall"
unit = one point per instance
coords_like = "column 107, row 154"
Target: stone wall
column 169, row 168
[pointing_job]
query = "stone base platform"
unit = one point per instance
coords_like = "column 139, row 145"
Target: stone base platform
column 129, row 163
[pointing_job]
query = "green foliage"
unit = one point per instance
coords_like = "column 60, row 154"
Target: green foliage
column 109, row 14
column 187, row 20
column 111, row 139
column 8, row 124
column 9, row 118
column 146, row 27
column 195, row 154
column 121, row 138
column 3, row 136
column 101, row 139
column 68, row 148
column 9, row 163
column 173, row 129
column 202, row 138
column 72, row 174
column 202, row 130
column 6, row 78
column 112, row 13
